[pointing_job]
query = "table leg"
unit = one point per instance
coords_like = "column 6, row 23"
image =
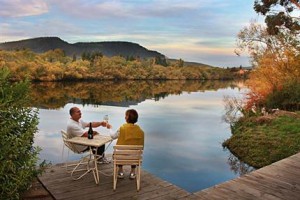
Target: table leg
column 96, row 172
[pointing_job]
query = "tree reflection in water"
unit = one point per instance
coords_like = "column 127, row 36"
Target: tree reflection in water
column 237, row 166
column 54, row 95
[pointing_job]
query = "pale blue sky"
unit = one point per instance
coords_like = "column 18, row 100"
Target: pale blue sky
column 193, row 30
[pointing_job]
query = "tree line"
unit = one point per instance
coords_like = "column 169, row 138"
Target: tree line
column 54, row 65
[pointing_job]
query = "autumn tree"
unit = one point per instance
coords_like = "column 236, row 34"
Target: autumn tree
column 54, row 65
column 280, row 14
column 277, row 63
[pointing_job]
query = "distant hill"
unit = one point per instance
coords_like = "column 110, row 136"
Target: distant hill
column 187, row 63
column 43, row 44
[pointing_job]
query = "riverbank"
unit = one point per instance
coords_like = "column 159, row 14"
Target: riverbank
column 262, row 140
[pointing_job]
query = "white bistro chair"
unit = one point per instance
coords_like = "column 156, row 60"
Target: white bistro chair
column 81, row 167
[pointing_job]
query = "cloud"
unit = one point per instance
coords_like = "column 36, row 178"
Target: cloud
column 215, row 56
column 18, row 8
column 38, row 28
column 93, row 9
column 216, row 42
column 133, row 9
column 192, row 30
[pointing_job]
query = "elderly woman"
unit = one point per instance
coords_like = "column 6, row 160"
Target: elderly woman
column 129, row 134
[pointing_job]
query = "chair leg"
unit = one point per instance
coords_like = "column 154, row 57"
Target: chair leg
column 71, row 168
column 86, row 169
column 138, row 177
column 115, row 177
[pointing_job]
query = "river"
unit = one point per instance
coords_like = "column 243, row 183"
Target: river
column 182, row 121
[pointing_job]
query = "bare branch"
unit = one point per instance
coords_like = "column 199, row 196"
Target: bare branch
column 295, row 3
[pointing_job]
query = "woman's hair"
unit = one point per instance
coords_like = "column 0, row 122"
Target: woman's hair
column 132, row 116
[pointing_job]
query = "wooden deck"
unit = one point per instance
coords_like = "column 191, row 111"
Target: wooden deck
column 280, row 180
column 61, row 186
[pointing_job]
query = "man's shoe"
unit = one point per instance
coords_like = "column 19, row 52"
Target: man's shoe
column 103, row 160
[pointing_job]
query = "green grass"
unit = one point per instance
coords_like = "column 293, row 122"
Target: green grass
column 260, row 143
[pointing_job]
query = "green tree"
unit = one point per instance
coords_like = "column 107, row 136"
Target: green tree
column 276, row 18
column 96, row 54
column 180, row 63
column 161, row 61
column 86, row 56
column 74, row 58
column 18, row 123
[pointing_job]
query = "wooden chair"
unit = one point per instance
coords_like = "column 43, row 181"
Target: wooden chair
column 127, row 155
column 83, row 165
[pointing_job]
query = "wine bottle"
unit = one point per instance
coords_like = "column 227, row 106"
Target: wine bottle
column 90, row 132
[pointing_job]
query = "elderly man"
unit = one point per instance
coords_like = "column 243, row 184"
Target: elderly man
column 76, row 127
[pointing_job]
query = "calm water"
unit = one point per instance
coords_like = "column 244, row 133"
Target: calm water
column 182, row 123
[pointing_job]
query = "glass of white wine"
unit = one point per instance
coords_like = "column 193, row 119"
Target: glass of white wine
column 106, row 118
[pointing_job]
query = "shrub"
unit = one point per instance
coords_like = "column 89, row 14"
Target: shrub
column 286, row 98
column 18, row 123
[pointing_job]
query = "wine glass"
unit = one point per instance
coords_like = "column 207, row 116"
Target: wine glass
column 106, row 118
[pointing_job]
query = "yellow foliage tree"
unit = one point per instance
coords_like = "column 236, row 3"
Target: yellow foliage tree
column 275, row 59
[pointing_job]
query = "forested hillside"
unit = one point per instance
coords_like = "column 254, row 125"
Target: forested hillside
column 54, row 65
column 44, row 44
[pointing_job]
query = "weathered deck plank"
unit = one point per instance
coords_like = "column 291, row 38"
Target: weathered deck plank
column 61, row 186
column 281, row 180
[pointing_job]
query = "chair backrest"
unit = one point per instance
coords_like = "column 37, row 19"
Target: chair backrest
column 128, row 154
column 71, row 146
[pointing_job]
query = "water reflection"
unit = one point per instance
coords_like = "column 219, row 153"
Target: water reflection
column 182, row 121
column 239, row 167
column 53, row 95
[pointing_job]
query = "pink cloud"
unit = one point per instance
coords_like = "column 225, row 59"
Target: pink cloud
column 18, row 8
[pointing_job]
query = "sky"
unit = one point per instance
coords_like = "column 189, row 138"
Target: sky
column 203, row 31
